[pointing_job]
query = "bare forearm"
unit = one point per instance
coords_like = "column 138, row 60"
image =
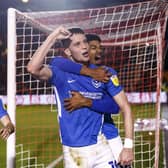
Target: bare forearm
column 86, row 71
column 36, row 63
column 126, row 156
column 100, row 73
column 76, row 101
column 122, row 101
column 128, row 122
column 35, row 66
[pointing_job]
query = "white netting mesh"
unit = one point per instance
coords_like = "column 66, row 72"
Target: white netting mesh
column 130, row 41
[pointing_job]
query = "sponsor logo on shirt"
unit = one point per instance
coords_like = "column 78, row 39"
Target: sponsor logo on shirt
column 92, row 95
column 115, row 80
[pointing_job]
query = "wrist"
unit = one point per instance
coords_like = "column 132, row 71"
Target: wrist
column 10, row 128
column 51, row 38
column 128, row 143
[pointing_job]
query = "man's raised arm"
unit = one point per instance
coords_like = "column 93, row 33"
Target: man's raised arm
column 35, row 65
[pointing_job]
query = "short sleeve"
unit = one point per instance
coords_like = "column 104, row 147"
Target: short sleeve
column 3, row 112
column 57, row 78
column 113, row 86
column 66, row 65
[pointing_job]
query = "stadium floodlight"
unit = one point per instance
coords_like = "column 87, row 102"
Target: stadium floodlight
column 132, row 38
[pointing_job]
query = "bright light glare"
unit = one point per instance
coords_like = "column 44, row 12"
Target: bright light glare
column 147, row 44
column 150, row 133
column 25, row 1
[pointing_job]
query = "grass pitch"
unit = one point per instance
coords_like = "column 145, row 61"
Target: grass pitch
column 38, row 142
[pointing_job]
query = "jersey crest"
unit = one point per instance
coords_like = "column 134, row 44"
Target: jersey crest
column 96, row 83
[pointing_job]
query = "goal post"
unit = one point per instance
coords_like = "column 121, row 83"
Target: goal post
column 132, row 37
column 158, row 105
column 11, row 88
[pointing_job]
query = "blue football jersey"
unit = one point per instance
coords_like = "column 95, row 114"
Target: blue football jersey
column 105, row 105
column 80, row 127
column 2, row 110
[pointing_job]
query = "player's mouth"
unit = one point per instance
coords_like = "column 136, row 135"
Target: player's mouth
column 98, row 59
column 85, row 54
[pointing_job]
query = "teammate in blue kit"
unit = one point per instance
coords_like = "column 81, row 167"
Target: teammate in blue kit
column 79, row 130
column 107, row 103
column 8, row 127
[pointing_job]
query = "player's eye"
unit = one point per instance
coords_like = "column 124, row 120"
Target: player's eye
column 93, row 47
column 77, row 44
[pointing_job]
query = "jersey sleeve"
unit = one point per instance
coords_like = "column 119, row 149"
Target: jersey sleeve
column 57, row 78
column 66, row 65
column 106, row 105
column 3, row 112
column 113, row 87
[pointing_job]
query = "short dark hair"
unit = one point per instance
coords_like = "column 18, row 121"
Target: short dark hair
column 67, row 42
column 92, row 37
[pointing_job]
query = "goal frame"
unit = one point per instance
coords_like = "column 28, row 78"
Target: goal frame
column 11, row 88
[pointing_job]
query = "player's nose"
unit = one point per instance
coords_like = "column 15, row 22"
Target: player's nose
column 85, row 45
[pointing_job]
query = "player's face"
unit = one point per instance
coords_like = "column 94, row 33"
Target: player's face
column 79, row 48
column 95, row 52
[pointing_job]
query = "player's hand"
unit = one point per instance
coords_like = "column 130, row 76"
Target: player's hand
column 60, row 33
column 6, row 131
column 101, row 74
column 76, row 101
column 126, row 157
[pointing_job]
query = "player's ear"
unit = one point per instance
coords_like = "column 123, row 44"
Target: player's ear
column 67, row 52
